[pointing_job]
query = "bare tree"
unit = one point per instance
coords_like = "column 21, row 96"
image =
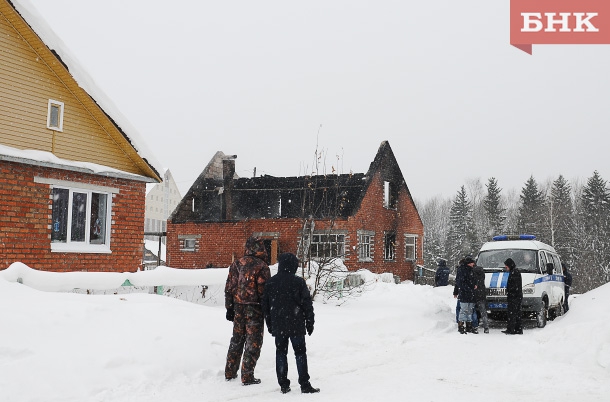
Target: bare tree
column 322, row 244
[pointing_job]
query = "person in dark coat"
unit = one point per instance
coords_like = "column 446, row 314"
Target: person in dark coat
column 567, row 278
column 243, row 295
column 481, row 296
column 441, row 278
column 289, row 315
column 514, row 297
column 456, row 291
column 464, row 291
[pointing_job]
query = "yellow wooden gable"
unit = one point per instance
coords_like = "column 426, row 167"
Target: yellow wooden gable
column 31, row 77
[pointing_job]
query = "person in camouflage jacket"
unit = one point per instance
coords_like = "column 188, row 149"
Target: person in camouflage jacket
column 243, row 295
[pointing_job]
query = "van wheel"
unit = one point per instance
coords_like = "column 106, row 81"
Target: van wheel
column 556, row 312
column 541, row 315
column 559, row 310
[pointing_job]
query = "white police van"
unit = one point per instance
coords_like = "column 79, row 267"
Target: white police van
column 541, row 274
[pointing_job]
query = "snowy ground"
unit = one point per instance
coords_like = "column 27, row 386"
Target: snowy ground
column 393, row 343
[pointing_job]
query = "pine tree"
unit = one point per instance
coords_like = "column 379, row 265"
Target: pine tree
column 494, row 212
column 461, row 239
column 561, row 219
column 532, row 211
column 595, row 201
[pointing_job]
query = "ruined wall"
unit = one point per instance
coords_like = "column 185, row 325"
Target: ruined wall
column 218, row 243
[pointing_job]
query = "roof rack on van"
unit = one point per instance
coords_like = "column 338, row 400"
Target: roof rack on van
column 514, row 237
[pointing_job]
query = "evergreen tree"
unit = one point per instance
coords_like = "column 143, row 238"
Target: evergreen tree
column 532, row 211
column 595, row 200
column 561, row 219
column 461, row 239
column 494, row 212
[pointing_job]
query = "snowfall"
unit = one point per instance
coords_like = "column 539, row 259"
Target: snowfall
column 75, row 337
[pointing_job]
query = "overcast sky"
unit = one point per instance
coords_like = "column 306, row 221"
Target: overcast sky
column 260, row 79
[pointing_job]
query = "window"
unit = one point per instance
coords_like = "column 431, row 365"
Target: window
column 390, row 195
column 389, row 246
column 410, row 247
column 365, row 245
column 55, row 116
column 189, row 242
column 327, row 245
column 80, row 220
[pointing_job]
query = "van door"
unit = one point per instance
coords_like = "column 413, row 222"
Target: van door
column 558, row 283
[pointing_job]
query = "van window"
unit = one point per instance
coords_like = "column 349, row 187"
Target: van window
column 558, row 270
column 493, row 260
column 543, row 262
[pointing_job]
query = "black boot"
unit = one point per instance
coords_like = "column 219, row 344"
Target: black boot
column 468, row 326
column 308, row 389
column 461, row 329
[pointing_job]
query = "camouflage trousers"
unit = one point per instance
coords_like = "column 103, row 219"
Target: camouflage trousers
column 248, row 330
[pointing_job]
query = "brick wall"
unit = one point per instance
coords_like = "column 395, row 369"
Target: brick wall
column 373, row 216
column 218, row 243
column 25, row 221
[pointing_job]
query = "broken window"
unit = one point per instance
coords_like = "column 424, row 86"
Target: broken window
column 390, row 195
column 389, row 246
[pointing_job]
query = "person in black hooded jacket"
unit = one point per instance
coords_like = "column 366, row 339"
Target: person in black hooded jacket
column 288, row 311
column 514, row 298
column 464, row 291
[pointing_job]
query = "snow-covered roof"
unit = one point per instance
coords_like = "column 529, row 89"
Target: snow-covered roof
column 53, row 42
column 48, row 159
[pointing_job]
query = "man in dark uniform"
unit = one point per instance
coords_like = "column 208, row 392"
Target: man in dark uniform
column 441, row 278
column 289, row 313
column 567, row 278
column 243, row 295
column 514, row 298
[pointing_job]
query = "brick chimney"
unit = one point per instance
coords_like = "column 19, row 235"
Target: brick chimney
column 228, row 171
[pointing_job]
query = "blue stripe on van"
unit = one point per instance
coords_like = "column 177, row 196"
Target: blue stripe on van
column 496, row 277
column 549, row 278
column 505, row 276
column 494, row 280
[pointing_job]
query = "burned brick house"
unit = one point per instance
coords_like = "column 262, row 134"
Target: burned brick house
column 369, row 220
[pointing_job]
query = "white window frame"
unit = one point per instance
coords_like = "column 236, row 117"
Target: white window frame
column 189, row 244
column 60, row 118
column 188, row 239
column 336, row 247
column 85, row 246
column 366, row 241
column 410, row 246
